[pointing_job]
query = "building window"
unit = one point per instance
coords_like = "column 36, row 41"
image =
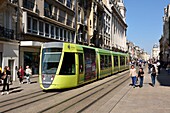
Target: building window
column 61, row 34
column 32, row 59
column 29, row 4
column 29, row 24
column 68, row 36
column 52, row 31
column 34, row 26
column 41, row 28
column 61, row 17
column 57, row 32
column 65, row 35
column 69, row 4
column 46, row 29
column 55, row 13
column 72, row 36
column 47, row 10
column 69, row 20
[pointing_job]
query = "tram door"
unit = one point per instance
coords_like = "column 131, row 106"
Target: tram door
column 81, row 68
column 90, row 64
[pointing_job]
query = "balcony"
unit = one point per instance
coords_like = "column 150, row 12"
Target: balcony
column 6, row 33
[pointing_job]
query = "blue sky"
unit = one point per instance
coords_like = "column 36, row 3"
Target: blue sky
column 145, row 23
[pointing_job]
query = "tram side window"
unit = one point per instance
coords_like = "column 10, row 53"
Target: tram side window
column 68, row 65
column 101, row 62
column 106, row 61
column 122, row 60
column 127, row 61
column 81, row 63
column 115, row 61
column 110, row 61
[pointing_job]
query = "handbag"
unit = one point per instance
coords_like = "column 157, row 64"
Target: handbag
column 4, row 76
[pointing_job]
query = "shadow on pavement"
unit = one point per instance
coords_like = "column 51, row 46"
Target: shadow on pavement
column 163, row 78
column 14, row 88
column 34, row 82
column 16, row 91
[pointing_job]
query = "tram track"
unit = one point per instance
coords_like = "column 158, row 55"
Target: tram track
column 21, row 99
column 97, row 99
column 83, row 95
column 32, row 99
column 22, row 103
column 7, row 100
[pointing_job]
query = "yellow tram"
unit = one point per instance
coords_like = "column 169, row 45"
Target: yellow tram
column 67, row 65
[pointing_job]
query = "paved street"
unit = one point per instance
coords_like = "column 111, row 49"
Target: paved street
column 144, row 100
column 26, row 98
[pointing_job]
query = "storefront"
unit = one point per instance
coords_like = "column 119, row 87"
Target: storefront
column 30, row 55
column 9, row 54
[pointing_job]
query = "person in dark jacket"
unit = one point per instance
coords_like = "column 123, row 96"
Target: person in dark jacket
column 141, row 76
column 5, row 77
column 153, row 75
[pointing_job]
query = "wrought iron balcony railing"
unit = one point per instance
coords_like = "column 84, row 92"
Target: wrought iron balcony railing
column 6, row 33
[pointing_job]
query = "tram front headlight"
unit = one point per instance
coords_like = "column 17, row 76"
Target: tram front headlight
column 52, row 77
column 43, row 77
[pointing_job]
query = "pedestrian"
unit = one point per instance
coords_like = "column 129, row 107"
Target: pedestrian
column 9, row 75
column 141, row 76
column 20, row 74
column 158, row 66
column 133, row 75
column 153, row 75
column 6, row 80
column 28, row 74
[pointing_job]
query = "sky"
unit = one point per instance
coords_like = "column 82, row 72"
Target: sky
column 145, row 22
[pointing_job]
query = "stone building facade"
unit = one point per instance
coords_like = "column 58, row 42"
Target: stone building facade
column 26, row 24
column 165, row 38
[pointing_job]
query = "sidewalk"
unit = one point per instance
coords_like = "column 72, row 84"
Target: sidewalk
column 147, row 99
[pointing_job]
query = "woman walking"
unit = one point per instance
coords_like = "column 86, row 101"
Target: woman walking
column 153, row 75
column 20, row 74
column 141, row 76
column 5, row 77
column 133, row 75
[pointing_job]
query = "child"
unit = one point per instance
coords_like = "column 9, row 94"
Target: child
column 141, row 76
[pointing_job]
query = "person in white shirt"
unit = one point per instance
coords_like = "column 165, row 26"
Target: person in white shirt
column 28, row 74
column 133, row 75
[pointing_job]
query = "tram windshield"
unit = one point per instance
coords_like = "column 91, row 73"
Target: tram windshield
column 50, row 61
